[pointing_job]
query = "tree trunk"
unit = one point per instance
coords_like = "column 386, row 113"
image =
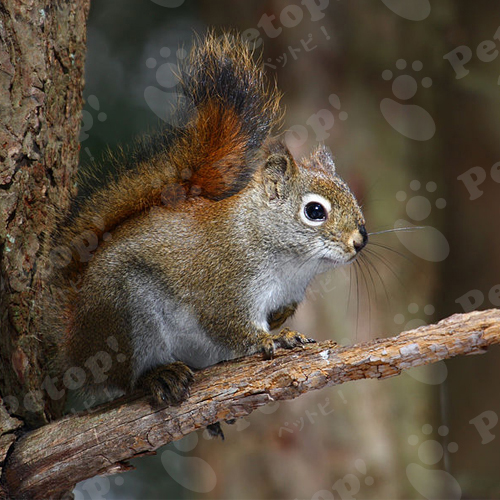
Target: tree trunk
column 42, row 53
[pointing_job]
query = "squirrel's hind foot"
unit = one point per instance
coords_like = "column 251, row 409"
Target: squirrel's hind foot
column 215, row 431
column 168, row 384
column 287, row 339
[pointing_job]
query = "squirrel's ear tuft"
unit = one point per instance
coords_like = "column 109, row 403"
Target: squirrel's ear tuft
column 278, row 169
column 321, row 159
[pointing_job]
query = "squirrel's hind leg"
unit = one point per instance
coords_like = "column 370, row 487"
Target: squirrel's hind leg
column 168, row 384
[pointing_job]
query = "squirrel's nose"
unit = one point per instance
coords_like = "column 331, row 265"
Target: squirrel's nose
column 359, row 243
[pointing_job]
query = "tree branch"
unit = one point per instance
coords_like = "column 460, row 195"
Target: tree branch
column 48, row 461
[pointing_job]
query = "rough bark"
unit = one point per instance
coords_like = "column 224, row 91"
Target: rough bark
column 42, row 50
column 52, row 459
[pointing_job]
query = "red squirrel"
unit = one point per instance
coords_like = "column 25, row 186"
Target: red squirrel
column 207, row 244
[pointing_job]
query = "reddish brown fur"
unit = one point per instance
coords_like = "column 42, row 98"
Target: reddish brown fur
column 232, row 112
column 211, row 157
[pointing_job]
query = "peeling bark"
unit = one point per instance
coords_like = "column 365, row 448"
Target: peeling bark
column 52, row 459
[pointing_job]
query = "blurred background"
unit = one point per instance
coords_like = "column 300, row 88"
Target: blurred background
column 406, row 95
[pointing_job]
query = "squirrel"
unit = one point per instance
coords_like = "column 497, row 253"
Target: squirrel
column 207, row 244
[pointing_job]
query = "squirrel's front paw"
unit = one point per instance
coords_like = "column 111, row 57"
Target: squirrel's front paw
column 288, row 339
column 168, row 383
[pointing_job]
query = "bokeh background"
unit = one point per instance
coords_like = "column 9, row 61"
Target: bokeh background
column 406, row 94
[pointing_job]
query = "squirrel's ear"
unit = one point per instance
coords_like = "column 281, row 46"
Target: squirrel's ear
column 278, row 169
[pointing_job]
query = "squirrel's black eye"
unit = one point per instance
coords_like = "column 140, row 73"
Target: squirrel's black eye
column 315, row 211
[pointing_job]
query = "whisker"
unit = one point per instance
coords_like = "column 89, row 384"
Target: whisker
column 385, row 247
column 364, row 260
column 396, row 229
column 381, row 257
column 357, row 297
column 350, row 287
column 384, row 287
column 377, row 273
column 363, row 276
column 386, row 264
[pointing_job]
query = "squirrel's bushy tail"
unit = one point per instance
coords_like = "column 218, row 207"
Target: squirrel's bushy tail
column 230, row 110
column 234, row 111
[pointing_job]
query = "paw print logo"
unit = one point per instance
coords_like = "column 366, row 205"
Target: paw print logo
column 413, row 10
column 436, row 373
column 413, row 309
column 334, row 100
column 88, row 119
column 162, row 102
column 97, row 487
column 175, row 464
column 430, row 483
column 429, row 243
column 409, row 120
column 348, row 486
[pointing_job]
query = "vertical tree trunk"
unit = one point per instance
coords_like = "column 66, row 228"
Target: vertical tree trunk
column 42, row 52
